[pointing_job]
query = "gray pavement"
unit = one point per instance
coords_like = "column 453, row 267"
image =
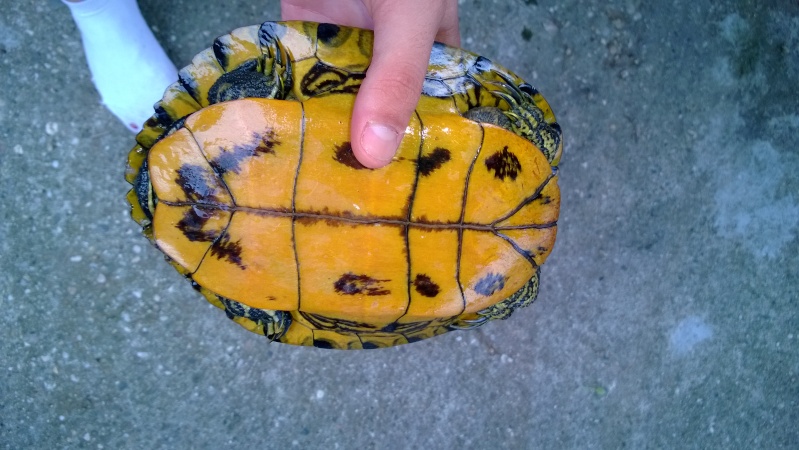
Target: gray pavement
column 668, row 311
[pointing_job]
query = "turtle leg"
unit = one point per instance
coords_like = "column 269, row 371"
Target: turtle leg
column 272, row 324
column 489, row 114
column 523, row 116
column 256, row 78
column 526, row 118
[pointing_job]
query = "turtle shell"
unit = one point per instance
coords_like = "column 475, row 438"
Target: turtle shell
column 246, row 180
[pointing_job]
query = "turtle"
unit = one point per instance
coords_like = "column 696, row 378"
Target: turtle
column 245, row 179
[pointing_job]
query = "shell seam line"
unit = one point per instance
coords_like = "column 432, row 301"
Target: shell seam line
column 294, row 205
column 366, row 220
column 221, row 180
column 408, row 216
column 525, row 254
column 462, row 224
column 529, row 199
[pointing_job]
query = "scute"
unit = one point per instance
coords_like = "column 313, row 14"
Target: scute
column 245, row 178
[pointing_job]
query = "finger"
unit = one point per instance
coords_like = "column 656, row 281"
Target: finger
column 393, row 83
column 350, row 13
column 449, row 29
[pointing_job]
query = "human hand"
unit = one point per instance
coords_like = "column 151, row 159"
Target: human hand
column 404, row 35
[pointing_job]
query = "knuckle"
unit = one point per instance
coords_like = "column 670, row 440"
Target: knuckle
column 399, row 85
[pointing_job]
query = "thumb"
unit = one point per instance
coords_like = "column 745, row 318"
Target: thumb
column 393, row 84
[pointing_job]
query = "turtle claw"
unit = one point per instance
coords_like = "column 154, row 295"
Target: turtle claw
column 467, row 324
column 510, row 86
column 511, row 100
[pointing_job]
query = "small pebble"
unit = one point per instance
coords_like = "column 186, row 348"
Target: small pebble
column 51, row 128
column 550, row 27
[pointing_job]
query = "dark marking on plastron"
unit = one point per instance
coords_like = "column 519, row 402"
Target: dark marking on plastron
column 193, row 223
column 197, row 183
column 433, row 161
column 344, row 155
column 504, row 164
column 425, row 286
column 231, row 160
column 225, row 249
column 489, row 284
column 352, row 284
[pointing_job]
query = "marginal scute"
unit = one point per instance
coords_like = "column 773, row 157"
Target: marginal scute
column 349, row 49
column 246, row 179
column 323, row 79
column 231, row 50
column 332, row 34
column 198, row 77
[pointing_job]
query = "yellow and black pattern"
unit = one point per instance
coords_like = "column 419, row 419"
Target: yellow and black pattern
column 245, row 178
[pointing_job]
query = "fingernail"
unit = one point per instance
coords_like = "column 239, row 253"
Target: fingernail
column 380, row 142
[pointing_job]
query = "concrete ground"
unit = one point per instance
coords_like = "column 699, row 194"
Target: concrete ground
column 668, row 311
